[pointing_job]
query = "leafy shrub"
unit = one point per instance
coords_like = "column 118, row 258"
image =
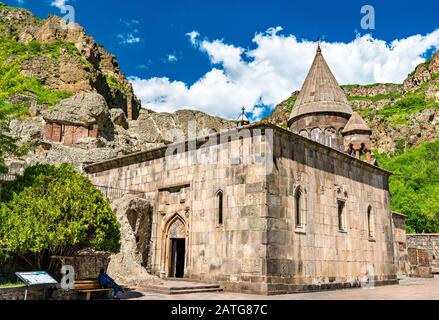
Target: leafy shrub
column 54, row 210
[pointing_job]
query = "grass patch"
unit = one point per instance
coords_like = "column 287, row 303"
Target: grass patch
column 372, row 85
column 13, row 54
column 401, row 111
column 378, row 97
column 116, row 84
column 12, row 284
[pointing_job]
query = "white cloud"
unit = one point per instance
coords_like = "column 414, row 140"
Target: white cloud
column 275, row 67
column 171, row 58
column 133, row 36
column 60, row 4
column 128, row 38
column 193, row 36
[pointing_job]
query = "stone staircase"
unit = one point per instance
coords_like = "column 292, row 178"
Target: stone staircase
column 172, row 287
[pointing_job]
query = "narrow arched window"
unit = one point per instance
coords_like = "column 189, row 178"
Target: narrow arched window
column 341, row 218
column 370, row 222
column 330, row 141
column 330, row 134
column 298, row 208
column 220, row 197
column 316, row 134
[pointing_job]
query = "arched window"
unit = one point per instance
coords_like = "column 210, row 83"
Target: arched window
column 304, row 133
column 330, row 141
column 370, row 223
column 220, row 199
column 340, row 139
column 330, row 135
column 298, row 208
column 341, row 217
column 316, row 135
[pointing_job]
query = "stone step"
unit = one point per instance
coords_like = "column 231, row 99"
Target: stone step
column 218, row 289
column 183, row 288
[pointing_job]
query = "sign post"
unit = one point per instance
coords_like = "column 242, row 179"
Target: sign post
column 37, row 278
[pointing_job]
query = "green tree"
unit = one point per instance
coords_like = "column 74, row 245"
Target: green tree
column 54, row 210
column 415, row 186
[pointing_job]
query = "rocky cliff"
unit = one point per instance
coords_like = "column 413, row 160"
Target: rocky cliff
column 401, row 115
column 64, row 59
column 64, row 78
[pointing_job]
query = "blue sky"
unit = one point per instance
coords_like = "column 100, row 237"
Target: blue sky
column 251, row 53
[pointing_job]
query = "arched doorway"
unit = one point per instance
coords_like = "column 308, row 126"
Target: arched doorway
column 176, row 248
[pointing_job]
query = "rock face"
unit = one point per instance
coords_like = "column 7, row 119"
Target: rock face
column 423, row 73
column 84, row 109
column 118, row 117
column 423, row 127
column 114, row 136
column 151, row 127
column 130, row 265
column 95, row 123
column 282, row 112
column 89, row 69
column 372, row 90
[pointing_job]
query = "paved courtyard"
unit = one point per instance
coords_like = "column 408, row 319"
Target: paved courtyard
column 408, row 289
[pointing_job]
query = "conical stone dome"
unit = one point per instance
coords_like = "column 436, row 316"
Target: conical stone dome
column 356, row 124
column 320, row 93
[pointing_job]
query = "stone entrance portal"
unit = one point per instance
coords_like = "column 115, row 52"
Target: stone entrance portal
column 175, row 259
column 178, row 255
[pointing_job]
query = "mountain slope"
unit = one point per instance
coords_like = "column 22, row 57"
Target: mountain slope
column 39, row 55
column 60, row 76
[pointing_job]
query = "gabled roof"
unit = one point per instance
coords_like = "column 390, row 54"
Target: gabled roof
column 320, row 92
column 356, row 123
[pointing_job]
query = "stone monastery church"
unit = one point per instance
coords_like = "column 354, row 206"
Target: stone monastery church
column 308, row 211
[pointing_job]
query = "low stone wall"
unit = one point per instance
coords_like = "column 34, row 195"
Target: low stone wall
column 36, row 293
column 17, row 293
column 400, row 244
column 419, row 263
column 428, row 243
column 87, row 264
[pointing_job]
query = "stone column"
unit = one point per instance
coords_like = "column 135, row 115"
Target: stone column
column 369, row 156
column 357, row 149
column 129, row 107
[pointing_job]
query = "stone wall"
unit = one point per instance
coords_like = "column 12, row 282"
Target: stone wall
column 257, row 247
column 429, row 243
column 399, row 234
column 87, row 264
column 419, row 263
column 185, row 204
column 18, row 293
column 321, row 252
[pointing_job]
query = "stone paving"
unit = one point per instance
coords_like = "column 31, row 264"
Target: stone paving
column 408, row 289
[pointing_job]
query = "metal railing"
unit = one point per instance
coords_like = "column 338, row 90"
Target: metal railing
column 111, row 193
column 116, row 193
